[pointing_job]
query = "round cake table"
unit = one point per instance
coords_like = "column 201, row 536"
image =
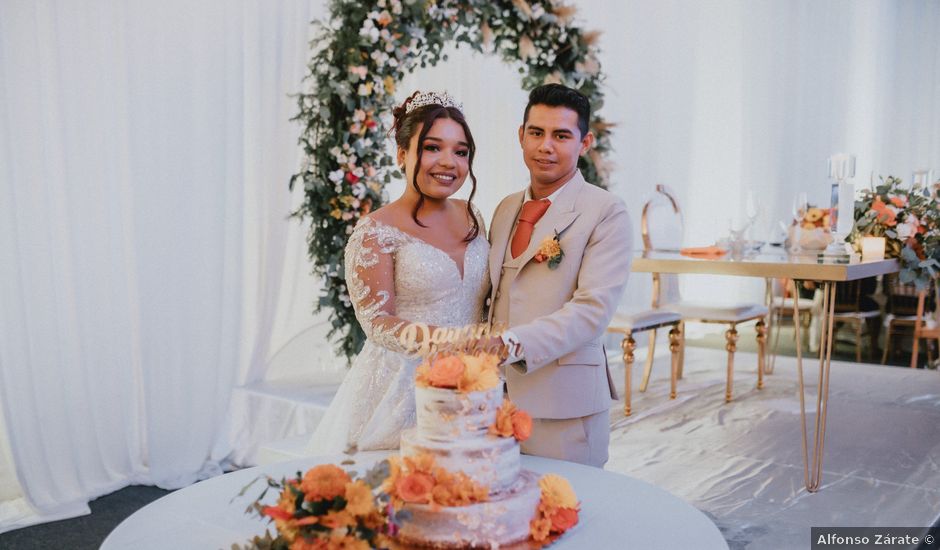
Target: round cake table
column 617, row 511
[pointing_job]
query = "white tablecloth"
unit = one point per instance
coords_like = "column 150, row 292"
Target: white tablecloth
column 617, row 511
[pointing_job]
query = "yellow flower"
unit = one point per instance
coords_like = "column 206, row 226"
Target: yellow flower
column 359, row 498
column 480, row 373
column 389, row 85
column 556, row 491
column 337, row 213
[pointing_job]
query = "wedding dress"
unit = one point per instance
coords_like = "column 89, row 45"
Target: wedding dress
column 376, row 399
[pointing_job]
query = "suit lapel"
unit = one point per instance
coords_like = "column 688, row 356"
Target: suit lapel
column 559, row 216
column 500, row 230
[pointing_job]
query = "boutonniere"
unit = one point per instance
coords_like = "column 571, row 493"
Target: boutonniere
column 550, row 249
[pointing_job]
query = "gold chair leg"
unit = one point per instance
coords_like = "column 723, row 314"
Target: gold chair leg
column 628, row 345
column 761, row 351
column 731, row 339
column 681, row 349
column 858, row 340
column 884, row 356
column 674, row 370
column 915, row 351
column 648, row 369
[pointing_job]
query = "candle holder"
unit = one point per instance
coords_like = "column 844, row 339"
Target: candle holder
column 873, row 248
column 842, row 205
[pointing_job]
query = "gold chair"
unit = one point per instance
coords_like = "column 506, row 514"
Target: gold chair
column 781, row 307
column 855, row 306
column 666, row 295
column 901, row 311
column 629, row 324
column 924, row 329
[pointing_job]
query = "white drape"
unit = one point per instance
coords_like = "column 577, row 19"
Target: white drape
column 146, row 265
column 144, row 157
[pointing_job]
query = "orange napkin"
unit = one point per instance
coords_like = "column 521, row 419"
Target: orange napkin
column 703, row 251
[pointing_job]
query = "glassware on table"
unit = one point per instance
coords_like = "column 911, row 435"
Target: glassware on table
column 800, row 206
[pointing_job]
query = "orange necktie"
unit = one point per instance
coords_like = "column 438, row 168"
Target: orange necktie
column 532, row 212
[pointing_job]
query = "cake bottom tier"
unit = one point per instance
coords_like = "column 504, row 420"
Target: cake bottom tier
column 501, row 521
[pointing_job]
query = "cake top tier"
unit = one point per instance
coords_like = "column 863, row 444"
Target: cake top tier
column 449, row 415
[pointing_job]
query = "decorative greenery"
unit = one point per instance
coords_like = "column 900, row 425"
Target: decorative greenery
column 360, row 54
column 909, row 219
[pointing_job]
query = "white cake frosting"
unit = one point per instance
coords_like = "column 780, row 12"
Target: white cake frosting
column 490, row 460
column 498, row 522
column 453, row 427
column 448, row 415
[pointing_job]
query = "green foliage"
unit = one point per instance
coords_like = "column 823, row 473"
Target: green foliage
column 909, row 220
column 359, row 55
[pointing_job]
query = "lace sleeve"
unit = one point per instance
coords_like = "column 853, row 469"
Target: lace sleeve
column 370, row 278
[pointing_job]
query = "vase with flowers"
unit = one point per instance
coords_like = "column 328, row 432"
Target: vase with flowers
column 909, row 220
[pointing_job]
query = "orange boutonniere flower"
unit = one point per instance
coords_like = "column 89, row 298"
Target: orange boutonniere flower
column 550, row 250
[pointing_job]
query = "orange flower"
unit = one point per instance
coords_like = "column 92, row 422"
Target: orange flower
column 326, row 481
column 421, row 462
column 415, row 487
column 481, row 372
column 340, row 518
column 564, row 519
column 557, row 492
column 359, row 501
column 521, row 425
column 900, row 202
column 503, row 426
column 540, row 527
column 446, row 372
column 276, row 512
column 886, row 215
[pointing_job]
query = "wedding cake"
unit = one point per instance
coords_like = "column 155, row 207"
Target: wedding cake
column 459, row 478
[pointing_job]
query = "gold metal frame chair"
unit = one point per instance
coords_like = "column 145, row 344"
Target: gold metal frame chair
column 731, row 316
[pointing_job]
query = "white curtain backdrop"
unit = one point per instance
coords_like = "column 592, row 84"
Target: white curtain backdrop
column 147, row 265
column 145, row 151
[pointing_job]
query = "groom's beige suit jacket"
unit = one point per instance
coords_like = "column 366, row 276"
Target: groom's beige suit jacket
column 560, row 315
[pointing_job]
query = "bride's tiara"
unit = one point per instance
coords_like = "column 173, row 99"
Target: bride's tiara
column 433, row 98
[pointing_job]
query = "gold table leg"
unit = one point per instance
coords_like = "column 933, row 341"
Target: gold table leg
column 772, row 324
column 812, row 470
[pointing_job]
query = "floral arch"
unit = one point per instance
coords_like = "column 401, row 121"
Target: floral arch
column 360, row 53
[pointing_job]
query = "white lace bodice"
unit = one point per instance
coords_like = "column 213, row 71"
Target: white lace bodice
column 395, row 278
column 426, row 281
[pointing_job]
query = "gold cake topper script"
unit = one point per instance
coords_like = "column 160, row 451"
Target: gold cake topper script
column 419, row 339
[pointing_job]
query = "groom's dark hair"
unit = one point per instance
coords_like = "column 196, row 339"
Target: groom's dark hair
column 558, row 95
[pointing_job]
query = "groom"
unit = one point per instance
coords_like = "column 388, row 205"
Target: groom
column 559, row 260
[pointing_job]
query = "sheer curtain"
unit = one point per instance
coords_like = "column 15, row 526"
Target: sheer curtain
column 146, row 265
column 145, row 151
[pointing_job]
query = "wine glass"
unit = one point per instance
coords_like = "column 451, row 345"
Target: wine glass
column 800, row 206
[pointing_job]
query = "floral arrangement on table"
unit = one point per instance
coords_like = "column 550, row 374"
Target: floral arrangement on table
column 558, row 508
column 464, row 372
column 909, row 220
column 326, row 508
column 812, row 229
column 419, row 480
column 360, row 54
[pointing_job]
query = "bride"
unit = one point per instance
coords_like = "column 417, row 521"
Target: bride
column 421, row 258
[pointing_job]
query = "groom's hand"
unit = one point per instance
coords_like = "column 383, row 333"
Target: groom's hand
column 496, row 346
